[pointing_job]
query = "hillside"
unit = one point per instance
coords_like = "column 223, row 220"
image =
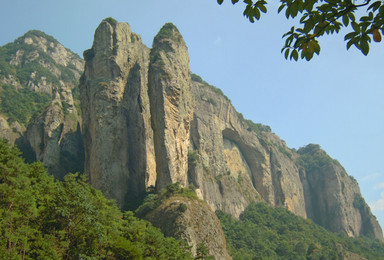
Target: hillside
column 39, row 80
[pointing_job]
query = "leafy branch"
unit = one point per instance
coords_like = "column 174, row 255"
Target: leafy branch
column 320, row 17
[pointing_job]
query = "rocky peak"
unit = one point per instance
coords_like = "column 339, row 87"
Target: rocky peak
column 116, row 114
column 43, row 64
column 171, row 105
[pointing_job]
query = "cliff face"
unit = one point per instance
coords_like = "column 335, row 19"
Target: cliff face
column 117, row 130
column 171, row 105
column 239, row 163
column 147, row 124
column 333, row 198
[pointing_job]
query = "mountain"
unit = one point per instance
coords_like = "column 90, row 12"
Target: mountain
column 137, row 121
column 38, row 77
column 148, row 122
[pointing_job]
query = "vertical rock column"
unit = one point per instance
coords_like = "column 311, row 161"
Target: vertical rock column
column 171, row 105
column 118, row 138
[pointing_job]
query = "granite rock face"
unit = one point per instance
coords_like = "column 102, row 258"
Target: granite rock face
column 148, row 122
column 239, row 164
column 333, row 198
column 118, row 137
column 171, row 105
column 55, row 137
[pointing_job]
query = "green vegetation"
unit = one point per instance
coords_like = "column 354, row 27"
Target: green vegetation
column 89, row 54
column 286, row 151
column 111, row 21
column 37, row 33
column 255, row 127
column 44, row 219
column 359, row 202
column 264, row 232
column 168, row 31
column 312, row 158
column 197, row 78
column 193, row 157
column 32, row 67
column 22, row 105
column 152, row 201
column 317, row 18
column 27, row 65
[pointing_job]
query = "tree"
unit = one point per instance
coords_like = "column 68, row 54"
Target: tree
column 320, row 17
column 45, row 219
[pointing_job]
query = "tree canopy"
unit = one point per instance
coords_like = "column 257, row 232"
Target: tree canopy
column 263, row 232
column 45, row 219
column 364, row 18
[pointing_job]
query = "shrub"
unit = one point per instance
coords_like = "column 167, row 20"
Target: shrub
column 89, row 54
column 193, row 157
column 182, row 207
column 111, row 21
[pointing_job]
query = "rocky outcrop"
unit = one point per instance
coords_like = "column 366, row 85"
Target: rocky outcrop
column 193, row 221
column 42, row 63
column 55, row 137
column 6, row 131
column 333, row 198
column 171, row 105
column 146, row 123
column 38, row 67
column 118, row 137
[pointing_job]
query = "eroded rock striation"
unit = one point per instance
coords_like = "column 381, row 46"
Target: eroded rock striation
column 118, row 137
column 171, row 105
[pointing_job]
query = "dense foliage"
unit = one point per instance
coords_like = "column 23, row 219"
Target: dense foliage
column 318, row 17
column 153, row 200
column 44, row 219
column 264, row 232
column 21, row 105
column 312, row 157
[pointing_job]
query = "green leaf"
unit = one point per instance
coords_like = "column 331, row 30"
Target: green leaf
column 350, row 35
column 375, row 6
column 288, row 12
column 345, row 20
column 263, row 8
column 235, row 1
column 256, row 13
column 286, row 54
column 281, row 7
column 353, row 41
column 220, row 1
column 356, row 27
column 294, row 55
column 364, row 47
column 351, row 16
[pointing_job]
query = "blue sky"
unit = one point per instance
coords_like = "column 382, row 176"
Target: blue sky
column 336, row 100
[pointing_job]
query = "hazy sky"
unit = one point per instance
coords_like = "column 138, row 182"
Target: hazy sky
column 335, row 100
